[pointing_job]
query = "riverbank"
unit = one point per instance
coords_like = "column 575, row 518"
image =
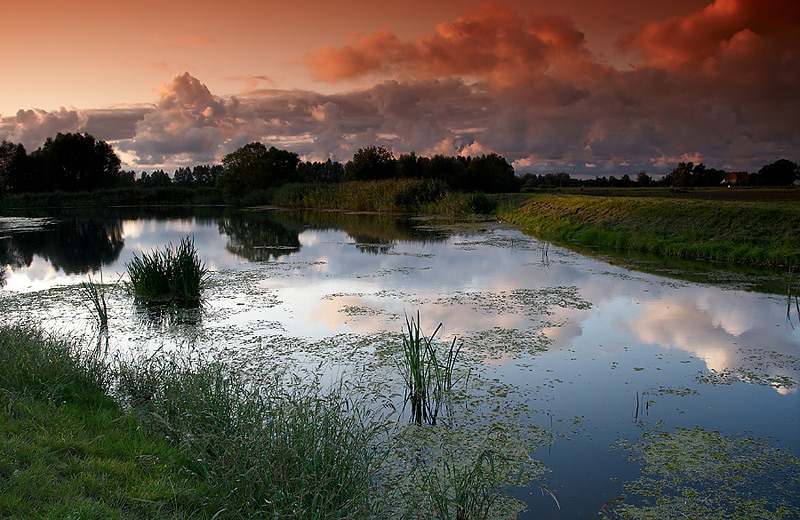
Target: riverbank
column 161, row 438
column 755, row 232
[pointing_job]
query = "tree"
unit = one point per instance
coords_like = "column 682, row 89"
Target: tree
column 371, row 163
column 327, row 172
column 643, row 179
column 13, row 167
column 780, row 173
column 409, row 166
column 254, row 167
column 491, row 174
column 73, row 162
column 681, row 176
column 183, row 177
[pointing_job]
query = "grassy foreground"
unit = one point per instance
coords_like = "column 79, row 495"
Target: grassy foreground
column 82, row 438
column 176, row 443
column 751, row 232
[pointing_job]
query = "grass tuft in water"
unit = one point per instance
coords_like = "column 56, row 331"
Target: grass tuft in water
column 175, row 274
column 94, row 297
column 426, row 379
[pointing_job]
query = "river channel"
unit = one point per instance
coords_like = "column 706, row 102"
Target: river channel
column 619, row 382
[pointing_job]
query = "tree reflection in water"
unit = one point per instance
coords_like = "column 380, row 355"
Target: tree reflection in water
column 74, row 245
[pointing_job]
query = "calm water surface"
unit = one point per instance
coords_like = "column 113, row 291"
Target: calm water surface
column 591, row 353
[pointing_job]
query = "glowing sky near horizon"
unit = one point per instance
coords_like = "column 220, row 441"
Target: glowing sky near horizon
column 553, row 85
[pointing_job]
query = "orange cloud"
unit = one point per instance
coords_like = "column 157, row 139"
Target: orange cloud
column 688, row 41
column 492, row 43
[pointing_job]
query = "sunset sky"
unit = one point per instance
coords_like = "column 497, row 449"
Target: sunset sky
column 586, row 87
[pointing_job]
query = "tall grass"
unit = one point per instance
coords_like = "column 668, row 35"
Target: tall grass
column 175, row 274
column 465, row 492
column 198, row 440
column 267, row 452
column 387, row 196
column 427, row 379
column 95, row 300
column 54, row 369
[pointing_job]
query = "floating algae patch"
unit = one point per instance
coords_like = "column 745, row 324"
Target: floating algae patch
column 431, row 470
column 759, row 367
column 518, row 301
column 699, row 473
column 360, row 310
column 498, row 342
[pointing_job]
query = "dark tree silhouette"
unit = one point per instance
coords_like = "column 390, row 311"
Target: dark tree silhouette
column 491, row 174
column 780, row 173
column 13, row 167
column 371, row 163
column 74, row 162
column 253, row 167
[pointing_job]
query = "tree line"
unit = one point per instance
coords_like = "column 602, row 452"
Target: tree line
column 685, row 175
column 79, row 162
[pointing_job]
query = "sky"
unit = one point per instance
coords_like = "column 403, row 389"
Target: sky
column 589, row 88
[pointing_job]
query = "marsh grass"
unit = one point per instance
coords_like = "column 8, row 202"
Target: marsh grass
column 49, row 368
column 175, row 436
column 427, row 380
column 175, row 275
column 792, row 297
column 66, row 449
column 267, row 452
column 94, row 298
column 465, row 492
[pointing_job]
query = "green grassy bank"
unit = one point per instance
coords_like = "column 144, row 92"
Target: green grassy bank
column 751, row 232
column 85, row 438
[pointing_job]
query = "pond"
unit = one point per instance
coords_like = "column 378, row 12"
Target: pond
column 617, row 382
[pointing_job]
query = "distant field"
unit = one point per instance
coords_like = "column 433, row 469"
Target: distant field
column 752, row 226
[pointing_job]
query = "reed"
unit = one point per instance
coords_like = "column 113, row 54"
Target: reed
column 94, row 298
column 175, row 274
column 426, row 379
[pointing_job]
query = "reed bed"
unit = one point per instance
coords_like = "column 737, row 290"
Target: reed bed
column 387, row 196
column 175, row 274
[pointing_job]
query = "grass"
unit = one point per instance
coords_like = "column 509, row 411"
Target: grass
column 95, row 299
column 465, row 492
column 84, row 436
column 427, row 380
column 752, row 232
column 67, row 451
column 175, row 274
column 266, row 452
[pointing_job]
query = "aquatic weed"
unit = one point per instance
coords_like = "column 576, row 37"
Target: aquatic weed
column 175, row 274
column 94, row 297
column 426, row 379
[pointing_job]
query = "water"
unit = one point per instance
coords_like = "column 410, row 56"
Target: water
column 593, row 358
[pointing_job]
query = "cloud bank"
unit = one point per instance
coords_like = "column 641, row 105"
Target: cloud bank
column 718, row 86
